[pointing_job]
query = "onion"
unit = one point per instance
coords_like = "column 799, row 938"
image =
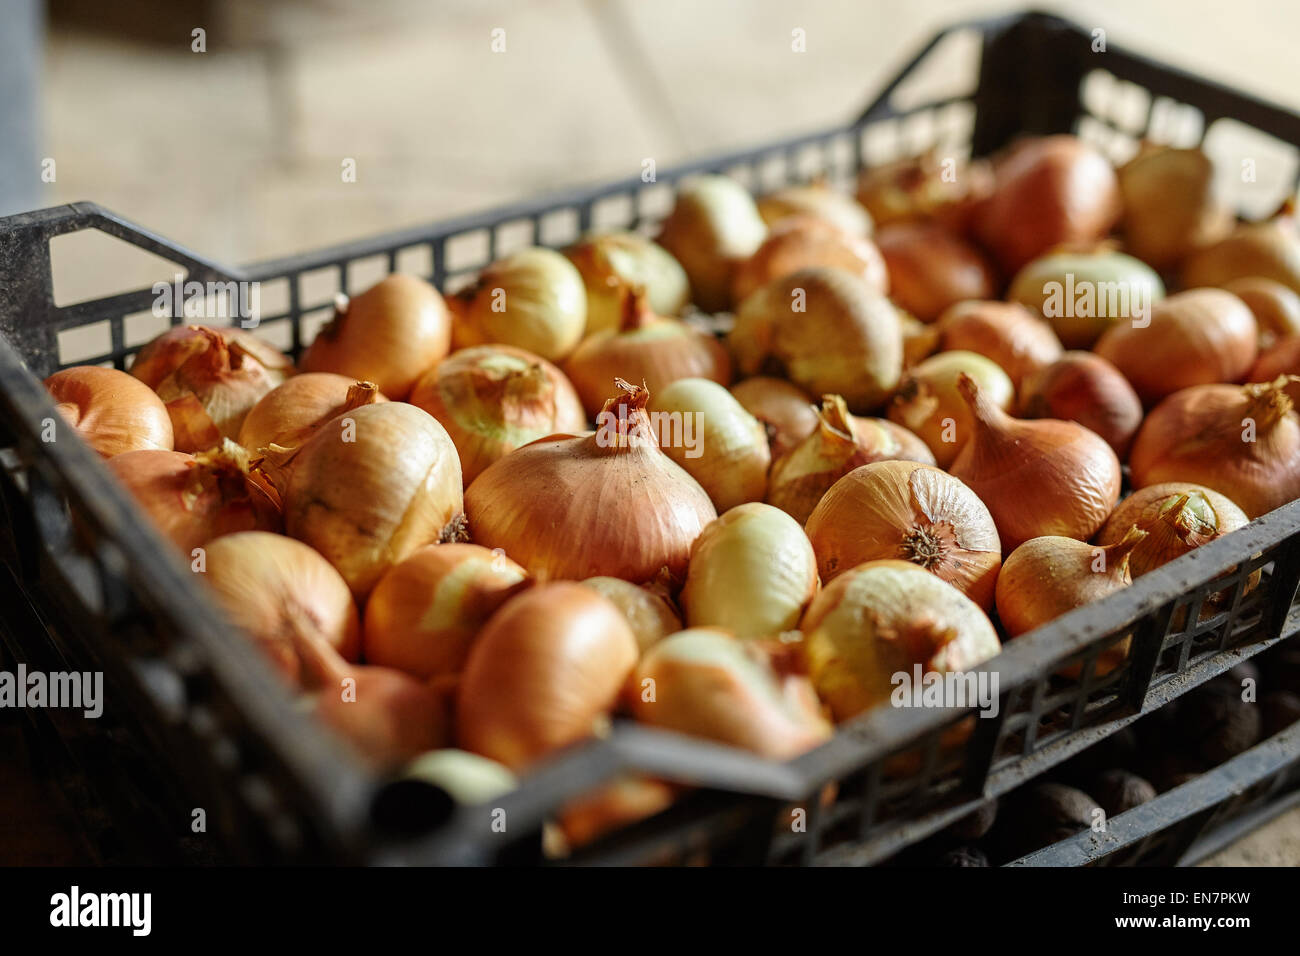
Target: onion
column 805, row 243
column 647, row 348
column 467, row 778
column 840, row 443
column 752, row 573
column 930, row 268
column 388, row 335
column 273, row 588
column 290, row 413
column 705, row 430
column 546, row 667
column 827, row 331
column 494, row 398
column 1275, row 307
column 913, row 512
column 1047, row 192
column 929, row 404
column 647, row 608
column 621, row 802
column 1177, row 517
column 533, row 299
column 878, row 620
column 1266, row 250
column 1282, row 359
column 1197, row 337
column 110, row 410
column 785, row 410
column 164, row 354
column 707, row 683
column 714, row 226
column 192, row 499
column 819, row 201
column 1241, row 441
column 1170, row 205
column 1037, row 477
column 609, row 503
column 920, row 340
column 1085, row 388
column 1006, row 332
column 425, row 612
column 926, row 187
column 368, row 494
column 609, row 262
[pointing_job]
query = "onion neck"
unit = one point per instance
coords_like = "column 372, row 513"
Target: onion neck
column 989, row 419
column 623, row 422
column 1117, row 555
column 360, row 393
column 1267, row 403
column 637, row 313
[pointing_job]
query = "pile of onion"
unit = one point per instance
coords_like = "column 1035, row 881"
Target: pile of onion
column 818, row 201
column 611, row 261
column 714, row 226
column 1177, row 517
column 1019, row 341
column 929, row 404
column 805, row 243
column 785, row 411
column 291, row 413
column 110, row 410
column 931, row 268
column 1083, row 387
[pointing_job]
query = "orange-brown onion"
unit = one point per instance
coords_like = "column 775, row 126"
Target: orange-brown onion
column 425, row 612
column 1085, row 388
column 805, row 243
column 1044, row 477
column 1170, row 204
column 714, row 226
column 912, row 512
column 371, row 488
column 648, row 608
column 930, row 186
column 165, row 353
column 111, row 411
column 609, row 503
column 611, row 806
column 273, row 587
column 929, row 404
column 1281, row 359
column 920, row 340
column 1242, row 441
column 840, row 443
column 827, row 331
column 785, row 410
column 708, row 683
column 494, row 398
column 192, row 499
column 819, row 201
column 290, row 413
column 930, row 268
column 546, row 668
column 1268, row 250
column 881, row 618
column 1020, row 342
column 610, row 261
column 1276, row 308
column 1177, row 516
column 388, row 335
column 1048, row 192
column 1196, row 337
column 647, row 349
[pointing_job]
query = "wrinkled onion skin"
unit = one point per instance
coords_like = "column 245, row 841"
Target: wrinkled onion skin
column 110, row 410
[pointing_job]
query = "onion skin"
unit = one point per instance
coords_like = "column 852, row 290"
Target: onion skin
column 911, row 512
column 647, row 608
column 931, row 269
column 1275, row 307
column 1197, row 337
column 494, row 398
column 290, row 413
column 164, row 354
column 423, row 615
column 714, row 226
column 1267, row 250
column 1083, row 387
column 608, row 262
column 1178, row 517
column 819, row 201
column 929, row 404
column 805, row 243
column 1006, row 332
column 1038, row 478
column 1198, row 435
column 546, row 667
column 388, row 335
column 111, row 411
column 1283, row 358
column 785, row 411
column 1170, row 206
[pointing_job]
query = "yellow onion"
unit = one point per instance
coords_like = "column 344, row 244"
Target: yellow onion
column 290, row 413
column 882, row 618
column 110, row 410
column 752, row 573
column 1177, row 517
column 425, row 612
column 1085, row 388
column 1275, row 307
column 929, row 404
column 388, row 335
column 1281, row 359
column 646, row 348
column 469, row 779
column 1170, row 205
column 533, row 299
column 546, row 668
column 609, row 503
column 806, row 243
column 273, row 588
column 1197, row 337
column 785, row 410
column 819, row 201
column 1265, row 250
column 929, row 186
column 1044, row 477
column 931, row 268
column 648, row 608
column 827, row 331
column 912, row 512
column 371, row 491
column 707, row 683
column 920, row 340
column 705, row 430
column 1242, row 441
column 1018, row 340
column 840, row 443
column 494, row 398
column 165, row 353
column 610, row 261
column 714, row 226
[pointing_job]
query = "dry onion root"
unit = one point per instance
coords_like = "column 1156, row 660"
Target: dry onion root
column 110, row 410
column 611, row 261
column 291, row 413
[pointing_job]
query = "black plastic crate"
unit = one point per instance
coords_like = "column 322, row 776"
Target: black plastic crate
column 218, row 731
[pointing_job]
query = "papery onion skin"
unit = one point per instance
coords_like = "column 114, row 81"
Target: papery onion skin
column 1276, row 309
column 928, row 403
column 819, row 201
column 1268, row 250
column 546, row 667
column 1177, row 516
column 713, row 227
column 912, row 512
column 805, row 243
column 1020, row 342
column 1083, row 387
column 290, row 413
column 1170, row 205
column 165, row 353
column 425, row 612
column 648, row 608
column 608, row 262
column 931, row 269
column 110, row 410
column 785, row 410
column 494, row 398
column 1197, row 337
